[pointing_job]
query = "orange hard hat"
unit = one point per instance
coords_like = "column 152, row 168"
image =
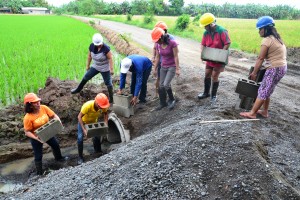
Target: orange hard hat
column 31, row 97
column 157, row 33
column 102, row 100
column 161, row 25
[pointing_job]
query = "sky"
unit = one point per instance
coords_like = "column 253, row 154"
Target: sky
column 293, row 3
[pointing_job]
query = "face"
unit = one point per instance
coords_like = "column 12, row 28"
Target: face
column 159, row 41
column 99, row 46
column 261, row 32
column 36, row 105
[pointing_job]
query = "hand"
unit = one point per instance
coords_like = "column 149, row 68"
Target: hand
column 133, row 101
column 119, row 92
column 85, row 133
column 253, row 76
column 177, row 72
column 38, row 139
column 155, row 73
column 111, row 72
column 87, row 68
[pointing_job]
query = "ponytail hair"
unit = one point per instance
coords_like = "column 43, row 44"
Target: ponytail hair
column 271, row 30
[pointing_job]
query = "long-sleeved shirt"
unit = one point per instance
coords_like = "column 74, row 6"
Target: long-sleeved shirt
column 139, row 65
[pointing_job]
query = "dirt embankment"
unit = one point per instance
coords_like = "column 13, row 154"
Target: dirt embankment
column 174, row 156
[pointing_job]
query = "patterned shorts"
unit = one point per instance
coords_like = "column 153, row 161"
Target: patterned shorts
column 270, row 80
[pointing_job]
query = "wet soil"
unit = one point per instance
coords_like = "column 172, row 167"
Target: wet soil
column 264, row 154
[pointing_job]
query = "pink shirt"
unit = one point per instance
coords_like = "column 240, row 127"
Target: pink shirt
column 167, row 55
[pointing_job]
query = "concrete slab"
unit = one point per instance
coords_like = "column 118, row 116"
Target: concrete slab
column 96, row 129
column 216, row 55
column 49, row 130
column 123, row 111
column 247, row 88
column 122, row 100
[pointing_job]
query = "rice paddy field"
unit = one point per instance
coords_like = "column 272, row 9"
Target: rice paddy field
column 32, row 48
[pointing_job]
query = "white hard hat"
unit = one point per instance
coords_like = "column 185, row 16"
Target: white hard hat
column 125, row 65
column 97, row 39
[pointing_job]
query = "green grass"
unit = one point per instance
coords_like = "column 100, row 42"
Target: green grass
column 242, row 32
column 36, row 47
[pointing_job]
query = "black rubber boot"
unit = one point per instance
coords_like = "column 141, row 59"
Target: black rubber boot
column 214, row 92
column 162, row 98
column 171, row 102
column 39, row 167
column 79, row 87
column 97, row 144
column 57, row 155
column 205, row 94
column 80, row 154
column 110, row 94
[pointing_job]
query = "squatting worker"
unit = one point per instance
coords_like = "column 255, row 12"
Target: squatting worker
column 89, row 113
column 273, row 52
column 102, row 58
column 215, row 36
column 168, row 52
column 163, row 26
column 140, row 67
column 36, row 116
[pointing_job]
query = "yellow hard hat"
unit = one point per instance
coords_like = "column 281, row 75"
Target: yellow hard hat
column 206, row 19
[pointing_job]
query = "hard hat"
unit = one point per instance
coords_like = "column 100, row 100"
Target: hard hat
column 161, row 25
column 265, row 21
column 97, row 39
column 125, row 65
column 102, row 100
column 31, row 97
column 157, row 33
column 206, row 19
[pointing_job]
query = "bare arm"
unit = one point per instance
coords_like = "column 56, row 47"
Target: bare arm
column 157, row 59
column 105, row 116
column 154, row 53
column 80, row 115
column 109, row 56
column 175, row 52
column 259, row 61
column 88, row 62
column 32, row 136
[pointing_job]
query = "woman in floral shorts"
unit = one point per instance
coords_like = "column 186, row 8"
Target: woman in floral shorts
column 273, row 52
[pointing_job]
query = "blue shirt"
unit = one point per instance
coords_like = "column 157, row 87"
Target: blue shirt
column 139, row 65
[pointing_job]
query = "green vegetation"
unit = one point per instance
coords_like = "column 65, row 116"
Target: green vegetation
column 243, row 34
column 36, row 47
column 176, row 8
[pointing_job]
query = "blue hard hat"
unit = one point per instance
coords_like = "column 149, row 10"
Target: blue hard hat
column 265, row 21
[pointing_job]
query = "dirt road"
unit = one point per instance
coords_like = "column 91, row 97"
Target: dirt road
column 173, row 156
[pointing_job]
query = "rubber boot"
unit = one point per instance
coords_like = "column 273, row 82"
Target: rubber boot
column 110, row 94
column 39, row 167
column 205, row 94
column 57, row 155
column 97, row 144
column 171, row 102
column 80, row 154
column 162, row 98
column 214, row 92
column 79, row 87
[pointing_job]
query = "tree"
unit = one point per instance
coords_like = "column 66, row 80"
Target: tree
column 156, row 6
column 176, row 6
